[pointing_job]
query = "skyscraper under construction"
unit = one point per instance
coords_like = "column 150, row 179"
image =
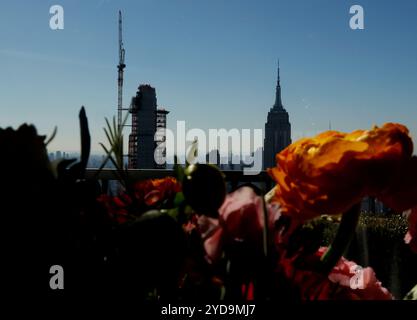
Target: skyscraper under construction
column 146, row 120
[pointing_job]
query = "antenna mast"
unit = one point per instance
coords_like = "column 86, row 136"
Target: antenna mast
column 120, row 68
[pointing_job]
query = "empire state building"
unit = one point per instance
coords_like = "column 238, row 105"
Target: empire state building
column 277, row 129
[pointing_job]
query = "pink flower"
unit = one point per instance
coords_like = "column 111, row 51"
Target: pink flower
column 346, row 281
column 212, row 235
column 411, row 236
column 241, row 218
column 362, row 281
column 242, row 215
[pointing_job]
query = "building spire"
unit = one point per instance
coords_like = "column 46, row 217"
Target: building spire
column 278, row 102
column 278, row 73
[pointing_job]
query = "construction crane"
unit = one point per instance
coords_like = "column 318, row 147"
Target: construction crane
column 120, row 69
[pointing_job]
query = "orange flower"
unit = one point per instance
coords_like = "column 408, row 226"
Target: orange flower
column 331, row 172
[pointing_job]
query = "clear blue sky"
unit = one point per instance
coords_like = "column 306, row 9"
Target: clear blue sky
column 213, row 63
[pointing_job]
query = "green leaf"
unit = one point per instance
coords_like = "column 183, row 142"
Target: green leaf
column 110, row 157
column 179, row 199
column 61, row 166
column 174, row 213
column 54, row 132
column 412, row 295
column 178, row 170
column 85, row 141
column 111, row 139
column 114, row 135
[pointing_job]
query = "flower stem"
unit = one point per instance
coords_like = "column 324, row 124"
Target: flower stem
column 265, row 233
column 342, row 239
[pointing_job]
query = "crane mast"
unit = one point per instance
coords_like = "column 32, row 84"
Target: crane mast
column 120, row 68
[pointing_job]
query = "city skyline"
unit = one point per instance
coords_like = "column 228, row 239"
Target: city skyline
column 210, row 58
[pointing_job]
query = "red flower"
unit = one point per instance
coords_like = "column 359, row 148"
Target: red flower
column 152, row 192
column 147, row 194
column 248, row 291
column 116, row 207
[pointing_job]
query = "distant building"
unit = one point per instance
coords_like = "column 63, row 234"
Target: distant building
column 146, row 118
column 160, row 137
column 277, row 129
column 213, row 157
